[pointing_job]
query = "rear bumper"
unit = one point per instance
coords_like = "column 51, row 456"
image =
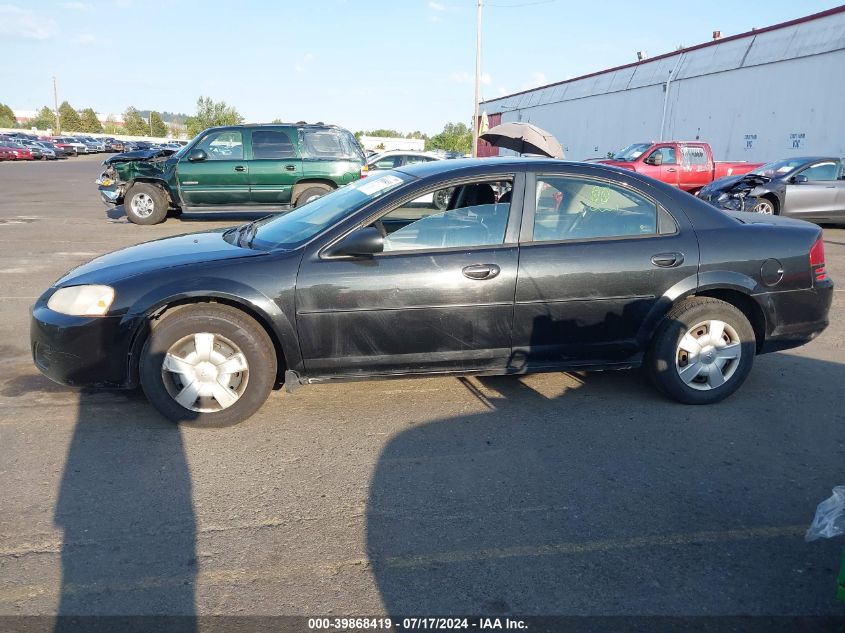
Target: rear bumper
column 798, row 316
column 81, row 351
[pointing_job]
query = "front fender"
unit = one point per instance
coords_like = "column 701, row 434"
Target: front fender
column 252, row 301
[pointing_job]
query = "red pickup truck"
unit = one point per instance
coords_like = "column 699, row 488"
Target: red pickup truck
column 689, row 166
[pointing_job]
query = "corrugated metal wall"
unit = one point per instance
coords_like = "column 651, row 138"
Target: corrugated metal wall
column 770, row 95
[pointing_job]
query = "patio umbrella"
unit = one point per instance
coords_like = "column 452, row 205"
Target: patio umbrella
column 523, row 138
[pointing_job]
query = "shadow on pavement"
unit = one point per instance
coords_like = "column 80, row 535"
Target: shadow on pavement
column 606, row 499
column 127, row 515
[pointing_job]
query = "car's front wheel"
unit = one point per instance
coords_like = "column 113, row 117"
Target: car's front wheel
column 764, row 206
column 207, row 365
column 145, row 203
column 702, row 352
column 312, row 193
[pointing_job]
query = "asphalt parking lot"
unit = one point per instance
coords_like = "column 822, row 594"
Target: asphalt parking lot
column 547, row 494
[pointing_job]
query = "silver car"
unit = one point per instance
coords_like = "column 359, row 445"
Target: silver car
column 809, row 187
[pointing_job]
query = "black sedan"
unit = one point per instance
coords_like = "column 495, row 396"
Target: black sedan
column 535, row 265
column 809, row 187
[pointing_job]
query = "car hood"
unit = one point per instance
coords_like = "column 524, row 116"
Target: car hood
column 728, row 183
column 138, row 155
column 182, row 250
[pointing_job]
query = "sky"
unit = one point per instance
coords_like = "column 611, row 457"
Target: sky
column 363, row 64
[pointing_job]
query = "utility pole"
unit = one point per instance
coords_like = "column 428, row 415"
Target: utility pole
column 477, row 81
column 56, row 101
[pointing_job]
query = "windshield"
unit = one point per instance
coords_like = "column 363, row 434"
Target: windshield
column 779, row 168
column 298, row 226
column 632, row 152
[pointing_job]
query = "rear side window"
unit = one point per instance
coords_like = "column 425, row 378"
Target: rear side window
column 693, row 156
column 329, row 143
column 272, row 144
column 575, row 208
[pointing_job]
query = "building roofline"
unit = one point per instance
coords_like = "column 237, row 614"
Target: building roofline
column 730, row 38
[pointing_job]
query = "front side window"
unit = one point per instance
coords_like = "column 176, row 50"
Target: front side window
column 412, row 160
column 667, row 154
column 828, row 170
column 387, row 162
column 272, row 144
column 469, row 215
column 223, row 145
column 575, row 208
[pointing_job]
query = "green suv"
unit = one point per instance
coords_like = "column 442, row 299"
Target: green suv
column 241, row 167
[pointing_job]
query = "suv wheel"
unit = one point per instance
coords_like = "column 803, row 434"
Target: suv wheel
column 207, row 365
column 145, row 203
column 702, row 352
column 312, row 193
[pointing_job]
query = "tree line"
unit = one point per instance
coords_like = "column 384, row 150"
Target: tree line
column 455, row 137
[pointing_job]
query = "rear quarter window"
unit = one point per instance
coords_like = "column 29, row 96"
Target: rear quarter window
column 329, row 143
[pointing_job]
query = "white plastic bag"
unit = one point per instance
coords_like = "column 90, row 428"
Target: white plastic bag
column 830, row 517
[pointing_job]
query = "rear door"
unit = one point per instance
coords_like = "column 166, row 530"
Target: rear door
column 596, row 257
column 817, row 197
column 275, row 166
column 222, row 178
column 696, row 167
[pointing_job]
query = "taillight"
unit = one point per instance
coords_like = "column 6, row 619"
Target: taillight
column 817, row 260
column 364, row 171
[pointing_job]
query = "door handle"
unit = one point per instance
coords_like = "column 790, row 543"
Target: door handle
column 671, row 170
column 290, row 167
column 481, row 271
column 668, row 260
column 240, row 168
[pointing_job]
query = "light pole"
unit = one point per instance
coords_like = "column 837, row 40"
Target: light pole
column 56, row 101
column 477, row 80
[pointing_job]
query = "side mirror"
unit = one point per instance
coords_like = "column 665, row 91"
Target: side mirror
column 800, row 179
column 197, row 156
column 364, row 242
column 655, row 159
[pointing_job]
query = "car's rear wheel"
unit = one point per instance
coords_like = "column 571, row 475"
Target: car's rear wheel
column 702, row 352
column 145, row 203
column 312, row 193
column 207, row 365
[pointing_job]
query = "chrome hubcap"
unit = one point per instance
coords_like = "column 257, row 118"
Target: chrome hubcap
column 708, row 355
column 142, row 205
column 205, row 372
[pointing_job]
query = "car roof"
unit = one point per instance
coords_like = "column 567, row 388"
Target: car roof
column 500, row 163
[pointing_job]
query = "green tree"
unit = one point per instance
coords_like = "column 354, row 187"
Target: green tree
column 69, row 118
column 7, row 117
column 90, row 122
column 417, row 135
column 134, row 124
column 211, row 113
column 157, row 126
column 46, row 119
column 455, row 137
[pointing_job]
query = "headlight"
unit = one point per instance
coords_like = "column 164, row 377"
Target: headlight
column 82, row 300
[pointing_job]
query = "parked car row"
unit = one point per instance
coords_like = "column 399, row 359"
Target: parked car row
column 22, row 146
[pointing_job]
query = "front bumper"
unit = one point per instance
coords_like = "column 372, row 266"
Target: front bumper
column 798, row 316
column 82, row 351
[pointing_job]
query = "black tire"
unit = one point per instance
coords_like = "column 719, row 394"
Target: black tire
column 665, row 358
column 143, row 196
column 312, row 193
column 228, row 324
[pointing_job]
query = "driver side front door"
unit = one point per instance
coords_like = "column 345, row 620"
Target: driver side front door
column 440, row 298
column 222, row 178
